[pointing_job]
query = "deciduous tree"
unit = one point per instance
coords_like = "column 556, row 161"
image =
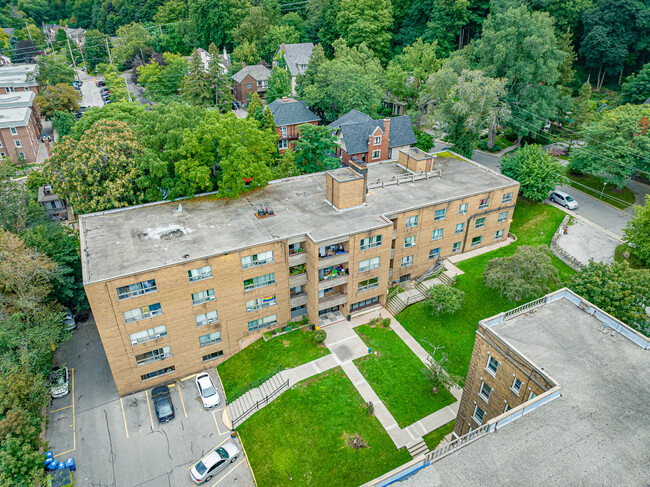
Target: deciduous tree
column 62, row 121
column 279, row 84
column 214, row 20
column 637, row 232
column 95, row 50
column 367, row 22
column 52, row 71
column 59, row 97
column 537, row 171
column 636, row 88
column 315, row 149
column 163, row 81
column 445, row 299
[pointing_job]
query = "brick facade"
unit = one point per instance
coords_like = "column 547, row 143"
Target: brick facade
column 242, row 91
column 28, row 135
column 378, row 149
column 290, row 134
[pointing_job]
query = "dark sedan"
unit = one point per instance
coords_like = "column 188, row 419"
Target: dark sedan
column 162, row 402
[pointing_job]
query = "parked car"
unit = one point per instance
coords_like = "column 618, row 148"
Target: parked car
column 100, row 83
column 68, row 319
column 563, row 199
column 214, row 462
column 59, row 382
column 207, row 391
column 162, row 403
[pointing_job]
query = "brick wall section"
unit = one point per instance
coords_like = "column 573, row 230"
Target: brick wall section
column 383, row 146
column 293, row 133
column 28, row 136
column 241, row 89
column 511, row 366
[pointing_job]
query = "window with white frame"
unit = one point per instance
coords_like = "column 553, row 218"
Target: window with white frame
column 203, row 296
column 532, row 395
column 261, row 281
column 503, row 216
column 507, row 198
column 209, row 339
column 407, row 261
column 10, row 89
column 142, row 313
column 262, row 323
column 257, row 259
column 411, row 221
column 492, row 366
column 480, row 222
column 484, row 203
column 516, row 386
column 409, row 242
column 284, row 131
column 498, row 234
column 377, row 140
column 148, row 335
column 440, row 215
column 14, row 131
column 478, row 415
column 21, row 155
column 370, row 242
column 136, row 289
column 485, row 391
column 283, row 144
column 376, row 154
column 460, row 228
column 508, row 408
column 368, row 284
column 259, row 303
column 476, row 241
column 153, row 356
column 199, row 274
column 434, row 253
column 18, row 143
column 207, row 318
column 366, row 265
column 462, row 209
column 437, row 234
column 455, row 247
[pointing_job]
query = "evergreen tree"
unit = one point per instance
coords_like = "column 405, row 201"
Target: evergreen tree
column 196, row 87
column 255, row 108
column 221, row 82
column 267, row 122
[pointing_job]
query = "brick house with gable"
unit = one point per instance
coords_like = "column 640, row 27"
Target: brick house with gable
column 250, row 79
column 288, row 114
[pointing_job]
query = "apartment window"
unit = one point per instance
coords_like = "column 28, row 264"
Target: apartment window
column 440, row 214
column 209, row 339
column 377, row 140
column 260, row 303
column 153, row 356
column 437, row 234
column 199, row 274
column 480, row 222
column 370, row 242
column 260, row 281
column 148, row 335
column 249, row 86
column 516, row 386
column 136, row 289
column 376, row 154
column 283, row 144
column 476, row 241
column 503, row 216
column 369, row 284
column 492, row 366
column 212, row 356
column 507, row 198
column 203, row 296
column 366, row 265
column 142, row 313
column 455, row 247
column 407, row 261
column 478, row 415
column 485, row 391
column 532, row 395
column 411, row 221
column 508, row 408
column 21, row 155
column 206, row 318
column 3, row 154
column 157, row 373
column 462, row 209
column 14, row 131
column 248, row 97
column 284, row 131
column 484, row 203
column 498, row 234
column 460, row 228
column 364, row 303
column 262, row 323
column 10, row 89
column 18, row 144
column 409, row 242
column 257, row 259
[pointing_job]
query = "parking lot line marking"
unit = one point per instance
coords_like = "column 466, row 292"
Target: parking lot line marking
column 182, row 402
column 209, row 451
column 216, row 423
column 188, row 377
column 149, row 409
column 61, row 409
column 171, row 385
column 124, row 417
column 63, row 453
column 229, row 472
column 74, row 424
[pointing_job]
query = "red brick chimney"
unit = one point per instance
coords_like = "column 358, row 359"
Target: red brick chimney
column 243, row 64
column 387, row 126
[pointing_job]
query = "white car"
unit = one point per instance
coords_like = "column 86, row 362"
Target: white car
column 68, row 320
column 207, row 391
column 563, row 199
column 59, row 382
column 214, row 462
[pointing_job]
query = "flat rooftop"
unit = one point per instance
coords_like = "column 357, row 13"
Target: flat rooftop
column 17, row 99
column 127, row 241
column 11, row 117
column 596, row 433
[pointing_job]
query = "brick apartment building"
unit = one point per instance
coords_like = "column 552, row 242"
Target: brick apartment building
column 18, row 78
column 370, row 140
column 288, row 114
column 177, row 287
column 20, row 126
column 249, row 80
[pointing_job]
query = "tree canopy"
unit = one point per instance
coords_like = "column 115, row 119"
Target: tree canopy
column 637, row 232
column 537, row 171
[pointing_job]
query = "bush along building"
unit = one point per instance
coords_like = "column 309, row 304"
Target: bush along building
column 177, row 286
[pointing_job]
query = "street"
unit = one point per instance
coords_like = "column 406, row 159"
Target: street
column 90, row 94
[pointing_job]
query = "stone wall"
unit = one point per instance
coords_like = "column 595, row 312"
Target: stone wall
column 562, row 254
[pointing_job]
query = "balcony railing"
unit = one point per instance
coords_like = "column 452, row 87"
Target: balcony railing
column 255, row 285
column 144, row 316
column 154, row 358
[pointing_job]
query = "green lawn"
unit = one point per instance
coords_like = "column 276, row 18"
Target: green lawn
column 633, row 261
column 305, row 432
column 395, row 374
column 434, row 438
column 261, row 358
column 595, row 186
column 533, row 224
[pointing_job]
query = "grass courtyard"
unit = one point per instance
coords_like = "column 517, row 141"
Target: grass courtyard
column 261, row 358
column 434, row 438
column 303, row 437
column 533, row 224
column 395, row 374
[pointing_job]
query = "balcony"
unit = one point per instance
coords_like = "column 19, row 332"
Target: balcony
column 335, row 281
column 298, row 280
column 297, row 258
column 335, row 259
column 298, row 300
column 332, row 300
column 392, row 254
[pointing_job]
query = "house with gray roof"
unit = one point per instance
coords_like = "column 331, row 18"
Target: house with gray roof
column 294, row 58
column 250, row 79
column 288, row 114
column 359, row 135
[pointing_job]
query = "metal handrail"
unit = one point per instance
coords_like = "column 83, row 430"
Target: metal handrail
column 252, row 385
column 257, row 404
column 452, row 445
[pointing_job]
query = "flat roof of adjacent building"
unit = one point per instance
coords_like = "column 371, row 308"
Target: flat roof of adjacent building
column 12, row 117
column 416, row 153
column 127, row 241
column 17, row 99
column 596, row 433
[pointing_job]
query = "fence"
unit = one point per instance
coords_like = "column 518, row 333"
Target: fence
column 562, row 254
column 258, row 404
column 252, row 385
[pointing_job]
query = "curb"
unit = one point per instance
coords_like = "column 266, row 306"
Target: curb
column 587, row 221
column 602, row 201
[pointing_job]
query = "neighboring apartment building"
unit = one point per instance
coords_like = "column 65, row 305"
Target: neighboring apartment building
column 370, row 140
column 556, row 394
column 288, row 114
column 18, row 77
column 176, row 287
column 295, row 59
column 250, row 79
column 20, row 126
column 55, row 208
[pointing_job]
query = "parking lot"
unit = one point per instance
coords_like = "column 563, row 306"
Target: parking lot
column 118, row 441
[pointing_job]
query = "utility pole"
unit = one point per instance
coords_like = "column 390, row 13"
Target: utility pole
column 74, row 63
column 28, row 32
column 108, row 48
column 127, row 88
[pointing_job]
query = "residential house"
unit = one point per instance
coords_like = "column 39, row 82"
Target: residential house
column 176, row 288
column 78, row 36
column 18, row 77
column 55, row 208
column 50, row 30
column 288, row 114
column 20, row 126
column 370, row 140
column 295, row 59
column 250, row 79
column 206, row 59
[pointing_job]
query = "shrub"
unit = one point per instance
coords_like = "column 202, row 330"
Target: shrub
column 385, row 322
column 319, row 336
column 445, row 299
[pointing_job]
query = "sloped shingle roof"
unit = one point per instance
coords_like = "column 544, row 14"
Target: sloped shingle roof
column 258, row 72
column 356, row 128
column 291, row 112
column 295, row 54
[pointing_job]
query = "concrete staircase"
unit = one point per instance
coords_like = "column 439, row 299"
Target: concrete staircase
column 417, row 448
column 253, row 400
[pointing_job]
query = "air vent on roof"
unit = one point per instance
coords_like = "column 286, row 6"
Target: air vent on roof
column 265, row 212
